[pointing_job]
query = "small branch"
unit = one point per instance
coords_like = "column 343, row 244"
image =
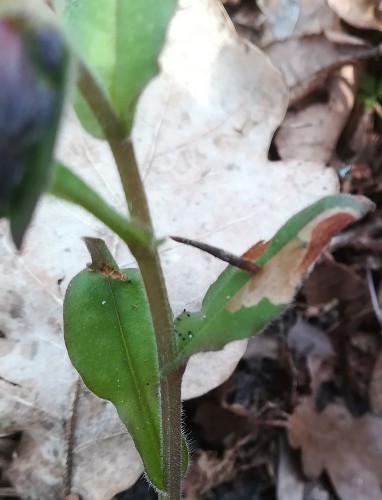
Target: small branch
column 232, row 259
column 69, row 439
column 373, row 295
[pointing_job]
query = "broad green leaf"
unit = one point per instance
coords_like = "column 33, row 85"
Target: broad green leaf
column 119, row 41
column 110, row 340
column 66, row 185
column 238, row 304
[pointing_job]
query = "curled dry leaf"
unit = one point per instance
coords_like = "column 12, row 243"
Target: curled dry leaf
column 365, row 14
column 349, row 449
column 313, row 131
column 306, row 62
column 202, row 135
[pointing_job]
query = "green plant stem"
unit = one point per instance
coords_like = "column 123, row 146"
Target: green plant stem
column 152, row 274
column 66, row 185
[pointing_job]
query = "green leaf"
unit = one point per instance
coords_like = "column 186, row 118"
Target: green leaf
column 66, row 185
column 238, row 304
column 110, row 340
column 119, row 41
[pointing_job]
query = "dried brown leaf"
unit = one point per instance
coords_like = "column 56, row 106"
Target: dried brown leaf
column 306, row 62
column 331, row 282
column 363, row 14
column 348, row 449
column 313, row 131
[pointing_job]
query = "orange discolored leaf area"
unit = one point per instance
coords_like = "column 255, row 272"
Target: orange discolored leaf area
column 256, row 250
column 108, row 271
column 281, row 273
column 322, row 234
column 348, row 449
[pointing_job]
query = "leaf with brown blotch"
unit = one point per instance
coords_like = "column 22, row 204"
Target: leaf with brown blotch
column 240, row 304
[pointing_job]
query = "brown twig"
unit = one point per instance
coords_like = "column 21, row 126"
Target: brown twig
column 233, row 260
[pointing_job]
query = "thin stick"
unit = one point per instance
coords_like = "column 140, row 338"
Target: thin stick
column 373, row 295
column 233, row 260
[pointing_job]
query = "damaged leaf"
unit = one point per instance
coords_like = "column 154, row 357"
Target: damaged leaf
column 238, row 305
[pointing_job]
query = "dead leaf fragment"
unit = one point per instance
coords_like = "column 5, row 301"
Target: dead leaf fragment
column 313, row 130
column 283, row 19
column 363, row 14
column 306, row 62
column 331, row 282
column 348, row 449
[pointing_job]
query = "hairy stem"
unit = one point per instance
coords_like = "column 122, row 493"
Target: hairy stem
column 66, row 185
column 152, row 274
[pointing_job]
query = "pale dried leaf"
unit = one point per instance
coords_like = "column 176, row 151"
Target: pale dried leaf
column 359, row 13
column 281, row 16
column 313, row 131
column 306, row 62
column 348, row 449
column 302, row 17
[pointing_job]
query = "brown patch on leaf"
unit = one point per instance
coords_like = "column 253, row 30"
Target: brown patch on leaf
column 256, row 251
column 111, row 273
column 276, row 279
column 322, row 234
